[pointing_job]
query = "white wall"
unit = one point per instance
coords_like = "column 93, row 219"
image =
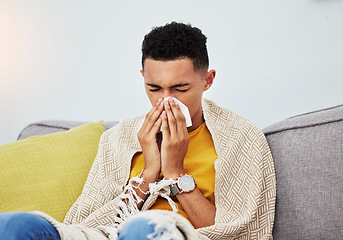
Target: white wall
column 80, row 59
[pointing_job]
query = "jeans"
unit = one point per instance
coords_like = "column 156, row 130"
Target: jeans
column 144, row 228
column 26, row 226
column 138, row 228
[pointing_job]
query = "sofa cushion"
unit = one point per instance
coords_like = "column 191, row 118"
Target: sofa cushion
column 52, row 126
column 47, row 173
column 308, row 156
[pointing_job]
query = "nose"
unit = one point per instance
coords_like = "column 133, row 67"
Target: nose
column 166, row 93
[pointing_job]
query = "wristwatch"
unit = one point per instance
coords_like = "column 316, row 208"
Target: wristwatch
column 185, row 183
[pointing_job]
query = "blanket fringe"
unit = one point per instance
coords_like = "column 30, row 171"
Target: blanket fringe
column 162, row 188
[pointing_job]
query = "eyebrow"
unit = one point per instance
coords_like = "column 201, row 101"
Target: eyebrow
column 173, row 86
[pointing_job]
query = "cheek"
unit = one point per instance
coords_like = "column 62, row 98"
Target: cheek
column 193, row 102
column 150, row 96
column 194, row 108
column 153, row 97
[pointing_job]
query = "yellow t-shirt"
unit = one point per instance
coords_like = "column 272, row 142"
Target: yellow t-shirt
column 198, row 162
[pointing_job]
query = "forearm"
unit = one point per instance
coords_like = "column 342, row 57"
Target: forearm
column 142, row 190
column 200, row 211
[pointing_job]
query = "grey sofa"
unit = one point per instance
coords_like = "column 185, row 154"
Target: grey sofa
column 308, row 155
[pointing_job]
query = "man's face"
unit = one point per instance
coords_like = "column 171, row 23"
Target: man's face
column 178, row 79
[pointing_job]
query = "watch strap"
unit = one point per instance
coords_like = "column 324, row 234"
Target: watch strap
column 174, row 189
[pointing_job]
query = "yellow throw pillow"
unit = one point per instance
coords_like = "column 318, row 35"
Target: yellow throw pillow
column 47, row 173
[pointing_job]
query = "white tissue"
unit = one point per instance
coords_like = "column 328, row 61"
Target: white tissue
column 184, row 110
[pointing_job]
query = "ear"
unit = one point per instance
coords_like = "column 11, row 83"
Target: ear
column 142, row 72
column 209, row 78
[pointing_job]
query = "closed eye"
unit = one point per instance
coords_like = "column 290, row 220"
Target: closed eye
column 182, row 90
column 154, row 90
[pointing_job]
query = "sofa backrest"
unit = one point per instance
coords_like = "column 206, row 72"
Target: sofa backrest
column 52, row 126
column 308, row 155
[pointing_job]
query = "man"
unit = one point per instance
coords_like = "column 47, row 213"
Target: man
column 154, row 177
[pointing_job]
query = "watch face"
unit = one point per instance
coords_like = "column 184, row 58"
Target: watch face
column 186, row 183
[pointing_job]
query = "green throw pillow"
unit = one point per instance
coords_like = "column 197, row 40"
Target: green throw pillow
column 47, row 173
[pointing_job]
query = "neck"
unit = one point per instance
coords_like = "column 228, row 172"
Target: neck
column 197, row 120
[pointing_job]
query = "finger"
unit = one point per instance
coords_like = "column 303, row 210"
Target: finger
column 152, row 116
column 152, row 111
column 179, row 117
column 157, row 108
column 171, row 118
column 165, row 127
column 156, row 127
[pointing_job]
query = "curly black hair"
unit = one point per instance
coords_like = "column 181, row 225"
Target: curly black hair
column 176, row 41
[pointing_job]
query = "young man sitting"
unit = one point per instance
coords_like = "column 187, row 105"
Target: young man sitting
column 155, row 177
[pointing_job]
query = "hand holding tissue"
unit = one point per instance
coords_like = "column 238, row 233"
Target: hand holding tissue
column 184, row 110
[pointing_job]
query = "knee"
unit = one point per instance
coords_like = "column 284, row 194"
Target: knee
column 14, row 221
column 136, row 229
column 151, row 228
column 19, row 225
